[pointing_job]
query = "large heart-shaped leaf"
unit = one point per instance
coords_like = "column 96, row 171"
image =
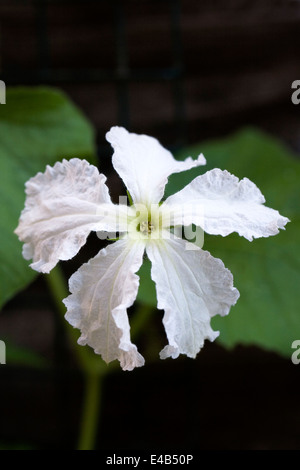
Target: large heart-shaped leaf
column 266, row 271
column 38, row 126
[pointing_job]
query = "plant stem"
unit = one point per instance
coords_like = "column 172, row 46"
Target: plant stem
column 58, row 288
column 92, row 367
column 90, row 411
column 140, row 318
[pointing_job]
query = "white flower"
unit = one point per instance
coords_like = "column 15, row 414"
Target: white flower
column 71, row 199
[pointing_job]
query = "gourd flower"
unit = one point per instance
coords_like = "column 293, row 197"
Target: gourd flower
column 69, row 200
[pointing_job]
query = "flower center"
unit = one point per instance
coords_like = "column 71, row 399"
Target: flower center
column 146, row 227
column 145, row 223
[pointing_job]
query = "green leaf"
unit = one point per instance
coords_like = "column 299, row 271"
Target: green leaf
column 38, row 126
column 266, row 271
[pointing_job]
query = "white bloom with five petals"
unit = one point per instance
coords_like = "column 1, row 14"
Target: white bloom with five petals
column 71, row 199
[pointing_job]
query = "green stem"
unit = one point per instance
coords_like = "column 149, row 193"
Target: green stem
column 140, row 318
column 93, row 368
column 58, row 288
column 90, row 412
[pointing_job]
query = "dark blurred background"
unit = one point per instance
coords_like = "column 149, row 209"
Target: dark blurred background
column 184, row 72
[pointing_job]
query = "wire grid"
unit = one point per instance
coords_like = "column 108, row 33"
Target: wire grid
column 122, row 75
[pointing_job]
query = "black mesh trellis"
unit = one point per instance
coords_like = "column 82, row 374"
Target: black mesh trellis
column 121, row 74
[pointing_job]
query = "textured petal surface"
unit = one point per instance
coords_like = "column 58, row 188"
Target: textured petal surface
column 62, row 206
column 102, row 290
column 221, row 204
column 192, row 287
column 144, row 164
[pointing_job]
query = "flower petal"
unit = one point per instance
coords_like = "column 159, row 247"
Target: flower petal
column 144, row 164
column 102, row 290
column 192, row 287
column 221, row 204
column 62, row 206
